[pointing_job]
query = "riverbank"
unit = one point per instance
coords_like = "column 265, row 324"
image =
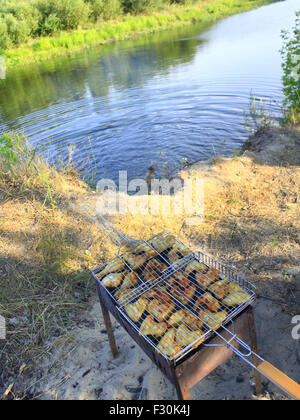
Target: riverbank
column 127, row 27
column 56, row 343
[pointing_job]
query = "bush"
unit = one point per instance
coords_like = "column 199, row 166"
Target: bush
column 26, row 12
column 5, row 40
column 7, row 148
column 103, row 9
column 17, row 31
column 290, row 54
column 139, row 6
column 50, row 25
column 62, row 14
column 184, row 2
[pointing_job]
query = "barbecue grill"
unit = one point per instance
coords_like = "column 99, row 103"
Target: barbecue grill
column 187, row 311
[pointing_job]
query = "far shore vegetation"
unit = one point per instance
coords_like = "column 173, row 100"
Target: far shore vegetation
column 34, row 30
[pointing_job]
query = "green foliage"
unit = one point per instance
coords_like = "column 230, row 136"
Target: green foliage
column 51, row 24
column 65, row 14
column 23, row 20
column 184, row 2
column 7, row 151
column 290, row 54
column 139, row 6
column 258, row 117
column 103, row 9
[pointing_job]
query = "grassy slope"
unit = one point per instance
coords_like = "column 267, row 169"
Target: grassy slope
column 252, row 220
column 207, row 11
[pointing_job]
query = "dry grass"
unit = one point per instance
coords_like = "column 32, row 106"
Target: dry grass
column 47, row 246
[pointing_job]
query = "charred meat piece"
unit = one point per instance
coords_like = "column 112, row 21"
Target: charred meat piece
column 235, row 298
column 195, row 265
column 130, row 280
column 173, row 256
column 146, row 249
column 161, row 243
column 134, row 261
column 193, row 322
column 203, row 280
column 122, row 294
column 212, row 320
column 181, row 248
column 208, row 300
column 153, row 270
column 112, row 280
column 167, row 344
column 184, row 295
column 159, row 310
column 220, row 289
column 151, row 327
column 185, row 337
column 177, row 318
column 135, row 310
column 213, row 274
column 112, row 267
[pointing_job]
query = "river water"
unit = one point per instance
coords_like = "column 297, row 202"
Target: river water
column 154, row 100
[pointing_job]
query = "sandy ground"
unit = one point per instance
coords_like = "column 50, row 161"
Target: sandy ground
column 85, row 369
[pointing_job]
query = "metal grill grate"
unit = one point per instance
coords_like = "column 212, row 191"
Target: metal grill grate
column 169, row 281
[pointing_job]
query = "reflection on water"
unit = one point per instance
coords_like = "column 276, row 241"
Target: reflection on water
column 176, row 94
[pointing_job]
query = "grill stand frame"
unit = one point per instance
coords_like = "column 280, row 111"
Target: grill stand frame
column 189, row 372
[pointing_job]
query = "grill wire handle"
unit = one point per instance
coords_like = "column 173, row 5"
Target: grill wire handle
column 229, row 345
column 280, row 379
column 116, row 236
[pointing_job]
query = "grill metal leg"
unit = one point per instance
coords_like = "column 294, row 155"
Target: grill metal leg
column 253, row 340
column 109, row 330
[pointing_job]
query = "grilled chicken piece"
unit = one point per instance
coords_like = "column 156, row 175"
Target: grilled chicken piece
column 220, row 289
column 185, row 336
column 208, row 300
column 143, row 247
column 203, row 280
column 161, row 243
column 112, row 280
column 235, row 298
column 157, row 293
column 176, row 291
column 167, row 344
column 177, row 318
column 135, row 310
column 160, row 310
column 192, row 321
column 122, row 294
column 179, row 279
column 184, row 295
column 212, row 320
column 213, row 274
column 135, row 261
column 188, row 294
column 173, row 256
column 151, row 327
column 182, row 280
column 112, row 267
column 153, row 270
column 181, row 248
column 234, row 287
column 195, row 265
column 130, row 280
column 155, row 265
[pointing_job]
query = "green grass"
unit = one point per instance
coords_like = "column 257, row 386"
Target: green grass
column 126, row 28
